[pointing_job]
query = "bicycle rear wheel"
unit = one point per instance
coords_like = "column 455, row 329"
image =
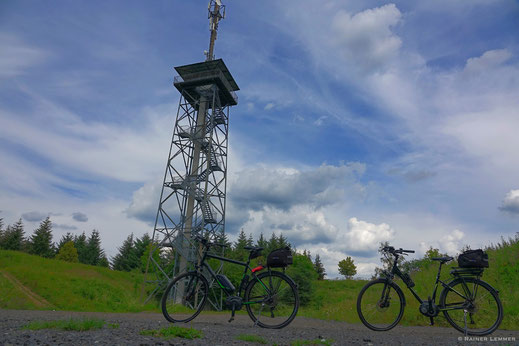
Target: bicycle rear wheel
column 272, row 300
column 484, row 311
column 380, row 305
column 184, row 297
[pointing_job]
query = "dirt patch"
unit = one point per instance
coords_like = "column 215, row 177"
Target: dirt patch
column 33, row 297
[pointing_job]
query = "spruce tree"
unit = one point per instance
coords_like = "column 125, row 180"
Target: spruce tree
column 262, row 242
column 273, row 243
column 14, row 237
column 40, row 242
column 319, row 268
column 80, row 243
column 239, row 251
column 1, row 231
column 93, row 251
column 222, row 238
column 64, row 239
column 282, row 241
column 126, row 259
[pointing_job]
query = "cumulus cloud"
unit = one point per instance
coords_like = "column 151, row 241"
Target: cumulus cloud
column 80, row 217
column 34, row 216
column 364, row 238
column 510, row 203
column 145, row 202
column 366, row 37
column 283, row 188
column 451, row 243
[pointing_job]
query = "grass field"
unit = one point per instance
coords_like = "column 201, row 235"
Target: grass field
column 59, row 285
column 67, row 286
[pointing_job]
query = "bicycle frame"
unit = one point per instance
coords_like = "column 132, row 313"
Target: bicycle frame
column 396, row 271
column 244, row 280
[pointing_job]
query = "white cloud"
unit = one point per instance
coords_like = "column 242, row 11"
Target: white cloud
column 511, row 202
column 451, row 243
column 102, row 149
column 364, row 237
column 365, row 38
column 284, row 187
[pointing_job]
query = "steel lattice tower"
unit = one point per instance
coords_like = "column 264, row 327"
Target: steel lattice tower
column 193, row 195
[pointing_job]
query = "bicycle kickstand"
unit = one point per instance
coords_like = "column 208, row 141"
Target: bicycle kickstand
column 232, row 314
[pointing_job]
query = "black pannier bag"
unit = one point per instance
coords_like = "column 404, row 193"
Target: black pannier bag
column 473, row 259
column 279, row 258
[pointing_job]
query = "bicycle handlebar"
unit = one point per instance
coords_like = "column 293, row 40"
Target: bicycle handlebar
column 207, row 242
column 394, row 251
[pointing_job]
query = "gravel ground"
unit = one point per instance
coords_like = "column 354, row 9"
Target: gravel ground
column 217, row 331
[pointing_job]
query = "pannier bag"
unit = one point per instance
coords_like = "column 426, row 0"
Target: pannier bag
column 473, row 259
column 279, row 258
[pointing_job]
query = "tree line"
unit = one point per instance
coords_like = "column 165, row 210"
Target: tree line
column 134, row 252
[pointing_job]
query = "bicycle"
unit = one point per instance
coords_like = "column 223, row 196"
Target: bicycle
column 469, row 304
column 270, row 298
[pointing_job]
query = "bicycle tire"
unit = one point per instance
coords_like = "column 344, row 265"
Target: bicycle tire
column 376, row 311
column 281, row 297
column 481, row 299
column 184, row 297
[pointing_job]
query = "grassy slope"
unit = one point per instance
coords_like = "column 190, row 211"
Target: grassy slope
column 336, row 300
column 69, row 286
column 72, row 286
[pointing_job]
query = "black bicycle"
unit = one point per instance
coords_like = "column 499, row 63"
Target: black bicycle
column 271, row 297
column 469, row 304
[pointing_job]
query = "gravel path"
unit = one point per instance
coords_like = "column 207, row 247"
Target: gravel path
column 217, row 331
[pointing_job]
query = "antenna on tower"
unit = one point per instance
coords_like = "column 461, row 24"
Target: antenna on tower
column 216, row 12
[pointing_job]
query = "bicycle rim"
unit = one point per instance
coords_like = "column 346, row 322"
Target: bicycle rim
column 184, row 297
column 380, row 305
column 480, row 300
column 273, row 301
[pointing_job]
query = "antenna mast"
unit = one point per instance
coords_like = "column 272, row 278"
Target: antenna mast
column 216, row 12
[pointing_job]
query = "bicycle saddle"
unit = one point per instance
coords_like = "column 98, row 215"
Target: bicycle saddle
column 443, row 259
column 253, row 248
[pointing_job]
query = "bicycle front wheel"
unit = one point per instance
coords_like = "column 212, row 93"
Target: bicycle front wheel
column 184, row 297
column 272, row 300
column 380, row 305
column 472, row 303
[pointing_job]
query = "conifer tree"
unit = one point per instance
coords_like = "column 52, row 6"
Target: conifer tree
column 68, row 253
column 262, row 242
column 222, row 238
column 65, row 239
column 239, row 251
column 272, row 243
column 80, row 243
column 14, row 237
column 126, row 259
column 1, row 231
column 319, row 268
column 93, row 251
column 40, row 242
column 282, row 241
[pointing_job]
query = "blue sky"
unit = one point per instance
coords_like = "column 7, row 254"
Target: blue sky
column 358, row 121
